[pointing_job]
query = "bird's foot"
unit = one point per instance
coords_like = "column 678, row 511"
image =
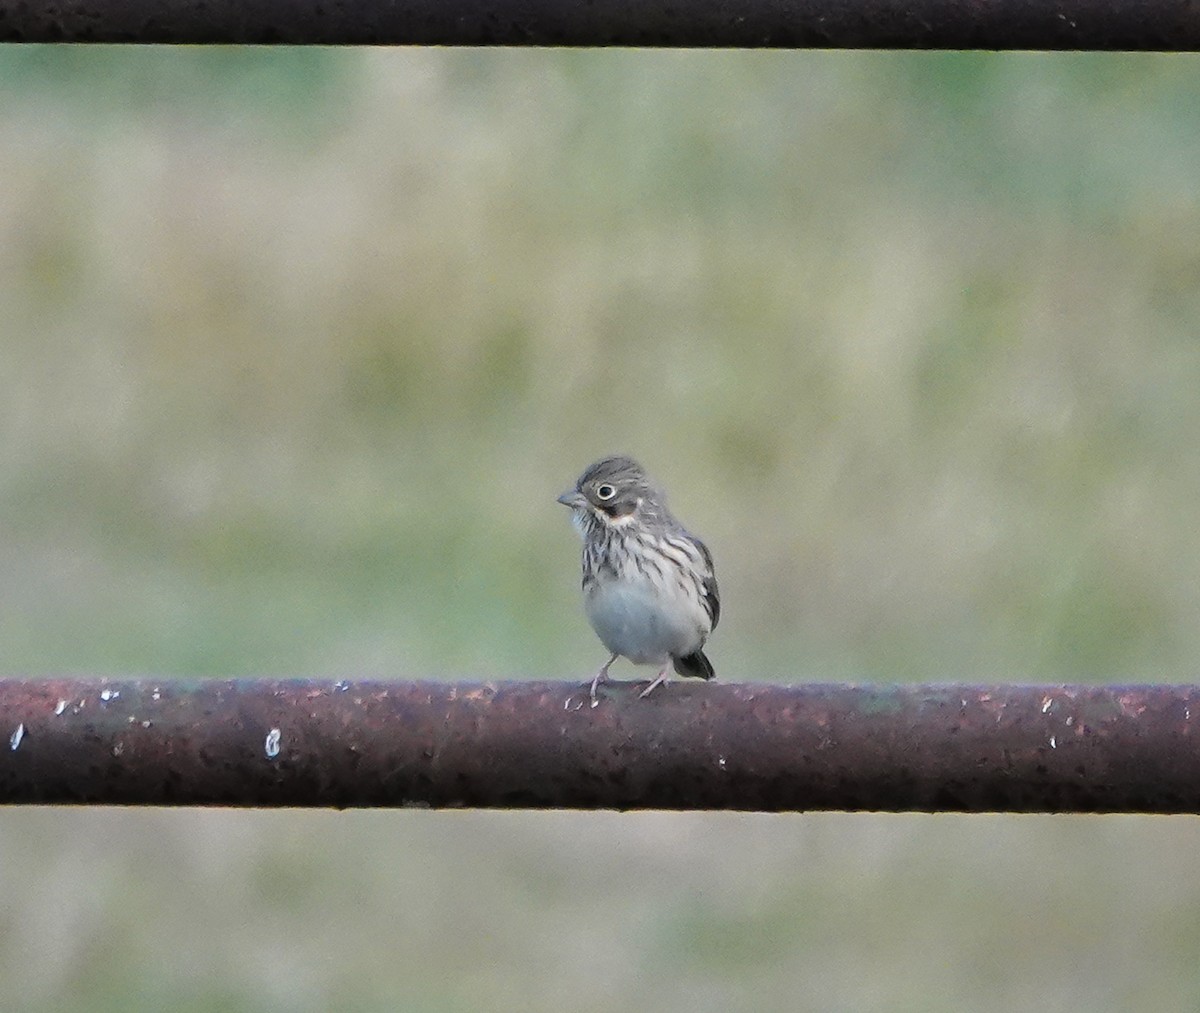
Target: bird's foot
column 601, row 676
column 662, row 680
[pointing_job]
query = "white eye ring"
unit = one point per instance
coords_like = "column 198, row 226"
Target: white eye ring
column 605, row 492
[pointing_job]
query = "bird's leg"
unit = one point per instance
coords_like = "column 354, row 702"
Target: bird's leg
column 662, row 680
column 601, row 676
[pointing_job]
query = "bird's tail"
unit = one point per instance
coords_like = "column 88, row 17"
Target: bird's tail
column 695, row 665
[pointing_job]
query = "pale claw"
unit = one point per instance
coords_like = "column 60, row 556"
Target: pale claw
column 601, row 676
column 662, row 680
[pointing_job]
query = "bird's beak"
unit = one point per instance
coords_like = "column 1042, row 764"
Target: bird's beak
column 573, row 498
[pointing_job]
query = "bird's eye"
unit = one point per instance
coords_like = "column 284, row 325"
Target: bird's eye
column 605, row 492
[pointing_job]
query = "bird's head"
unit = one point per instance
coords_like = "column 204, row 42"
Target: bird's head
column 612, row 492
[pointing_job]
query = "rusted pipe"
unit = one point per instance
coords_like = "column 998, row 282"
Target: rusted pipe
column 540, row 745
column 825, row 24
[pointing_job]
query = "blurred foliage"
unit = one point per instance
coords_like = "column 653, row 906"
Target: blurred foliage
column 300, row 345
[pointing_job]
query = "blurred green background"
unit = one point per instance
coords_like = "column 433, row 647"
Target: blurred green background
column 299, row 347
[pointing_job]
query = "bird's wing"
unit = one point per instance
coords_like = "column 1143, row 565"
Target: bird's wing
column 708, row 584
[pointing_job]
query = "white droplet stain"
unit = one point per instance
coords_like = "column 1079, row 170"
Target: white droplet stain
column 109, row 694
column 62, row 706
column 721, row 762
column 118, row 749
column 14, row 740
column 1047, row 703
column 1053, row 744
column 145, row 724
column 271, row 747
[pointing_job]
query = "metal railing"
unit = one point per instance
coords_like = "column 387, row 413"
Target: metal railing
column 825, row 24
column 770, row 748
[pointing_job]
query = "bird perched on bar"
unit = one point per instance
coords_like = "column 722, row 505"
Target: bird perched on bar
column 648, row 584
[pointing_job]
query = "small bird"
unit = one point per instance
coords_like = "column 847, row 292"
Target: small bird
column 648, row 585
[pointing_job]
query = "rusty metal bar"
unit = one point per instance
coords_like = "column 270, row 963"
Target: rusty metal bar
column 825, row 24
column 540, row 745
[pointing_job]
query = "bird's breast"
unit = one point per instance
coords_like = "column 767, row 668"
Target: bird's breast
column 644, row 621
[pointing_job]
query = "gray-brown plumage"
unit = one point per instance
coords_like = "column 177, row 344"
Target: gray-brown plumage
column 648, row 584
